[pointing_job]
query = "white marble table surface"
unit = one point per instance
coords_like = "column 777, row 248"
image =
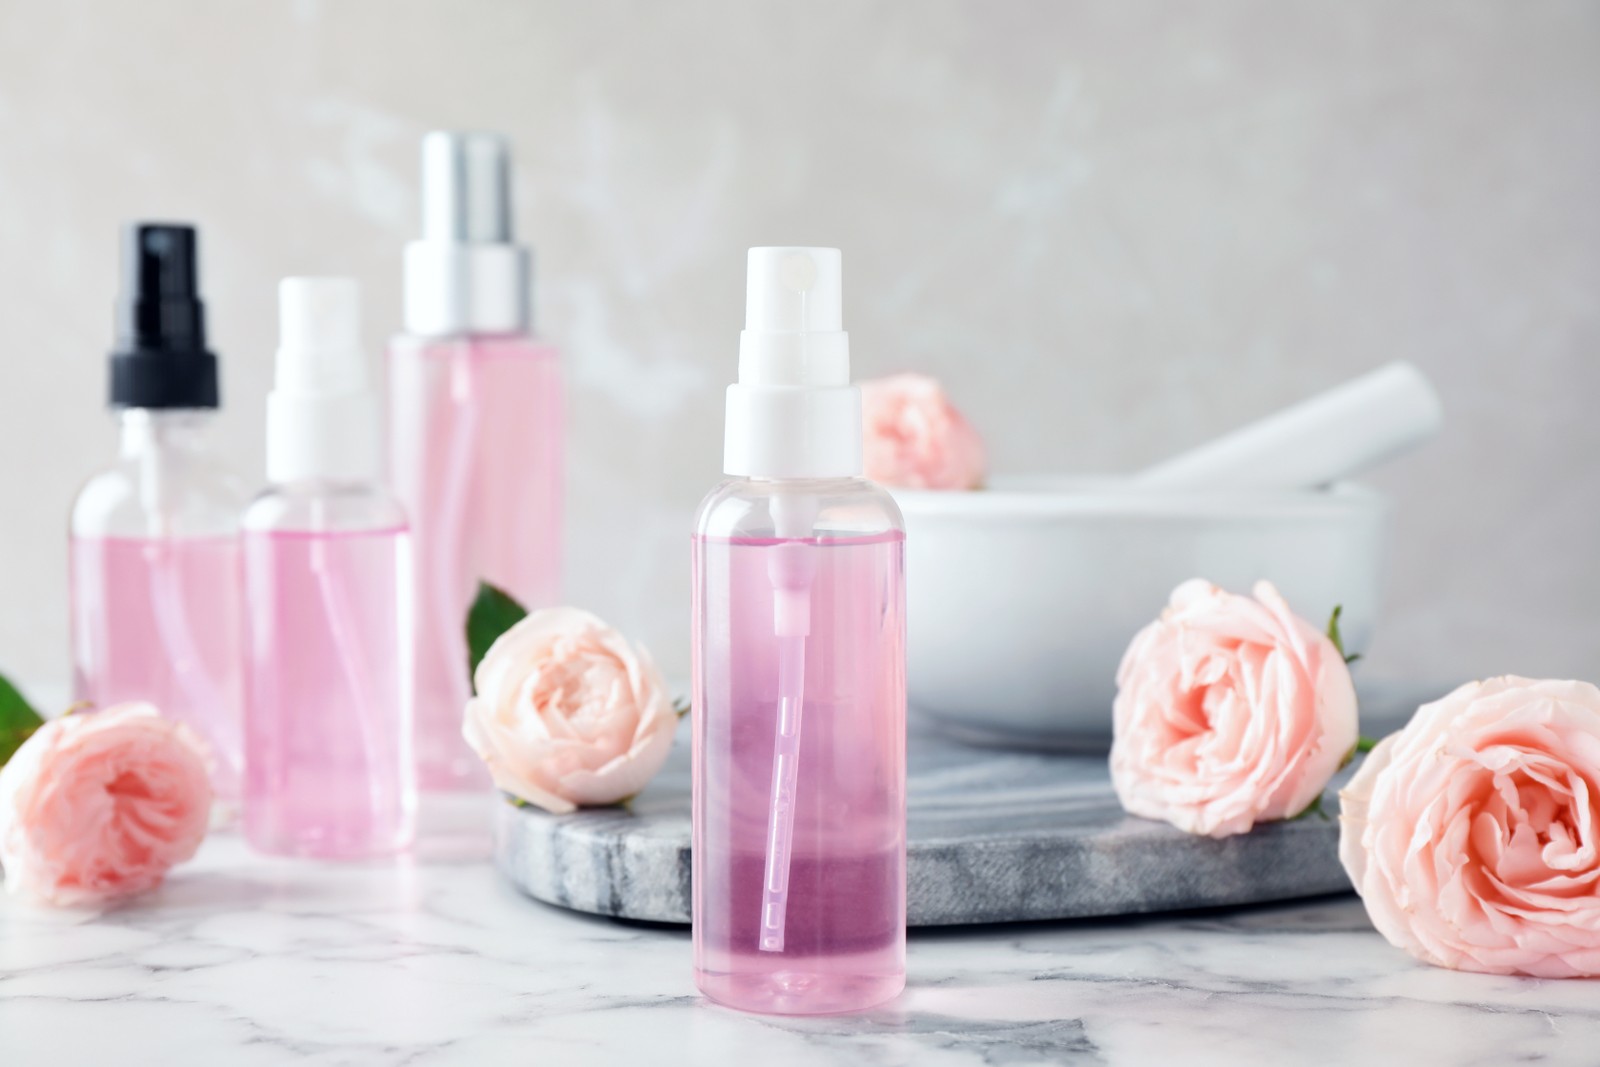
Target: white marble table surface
column 429, row 960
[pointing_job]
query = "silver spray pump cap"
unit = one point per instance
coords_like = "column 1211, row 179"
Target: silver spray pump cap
column 466, row 275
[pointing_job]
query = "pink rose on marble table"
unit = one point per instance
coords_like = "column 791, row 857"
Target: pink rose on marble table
column 568, row 712
column 96, row 806
column 914, row 437
column 1230, row 711
column 1473, row 834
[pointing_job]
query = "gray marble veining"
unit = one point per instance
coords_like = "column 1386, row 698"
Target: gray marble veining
column 993, row 836
column 434, row 960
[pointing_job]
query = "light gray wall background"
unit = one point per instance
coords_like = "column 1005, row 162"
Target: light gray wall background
column 1113, row 229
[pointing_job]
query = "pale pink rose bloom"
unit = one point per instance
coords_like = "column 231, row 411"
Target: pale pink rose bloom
column 100, row 805
column 568, row 713
column 1229, row 712
column 1473, row 835
column 915, row 438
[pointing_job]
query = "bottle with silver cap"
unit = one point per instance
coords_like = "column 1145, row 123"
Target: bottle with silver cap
column 475, row 430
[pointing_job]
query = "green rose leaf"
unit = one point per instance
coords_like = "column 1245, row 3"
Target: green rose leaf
column 1362, row 746
column 1336, row 637
column 1313, row 808
column 18, row 720
column 494, row 611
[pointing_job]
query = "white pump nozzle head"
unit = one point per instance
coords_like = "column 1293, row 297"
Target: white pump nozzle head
column 794, row 413
column 794, row 289
column 319, row 336
column 793, row 319
column 322, row 414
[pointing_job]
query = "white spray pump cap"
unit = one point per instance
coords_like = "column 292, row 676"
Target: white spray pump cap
column 793, row 413
column 322, row 413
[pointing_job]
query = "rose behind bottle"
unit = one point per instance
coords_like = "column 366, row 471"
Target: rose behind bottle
column 475, row 423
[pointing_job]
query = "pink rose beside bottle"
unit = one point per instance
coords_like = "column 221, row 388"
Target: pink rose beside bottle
column 568, row 712
column 98, row 806
column 1230, row 711
column 1473, row 834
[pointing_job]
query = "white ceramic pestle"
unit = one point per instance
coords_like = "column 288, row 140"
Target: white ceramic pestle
column 1320, row 440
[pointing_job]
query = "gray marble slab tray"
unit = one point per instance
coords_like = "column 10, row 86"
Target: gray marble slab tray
column 993, row 836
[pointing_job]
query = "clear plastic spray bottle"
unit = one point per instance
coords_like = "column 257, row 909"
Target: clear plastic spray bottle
column 475, row 425
column 328, row 763
column 154, row 556
column 799, row 695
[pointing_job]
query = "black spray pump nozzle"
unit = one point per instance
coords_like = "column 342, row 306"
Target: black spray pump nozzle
column 161, row 360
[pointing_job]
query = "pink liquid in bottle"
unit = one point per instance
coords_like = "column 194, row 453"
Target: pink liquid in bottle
column 475, row 446
column 842, row 896
column 328, row 715
column 158, row 620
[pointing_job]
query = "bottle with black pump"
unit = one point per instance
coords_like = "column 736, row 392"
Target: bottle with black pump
column 154, row 555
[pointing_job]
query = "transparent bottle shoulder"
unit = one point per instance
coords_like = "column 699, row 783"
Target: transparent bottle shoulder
column 159, row 496
column 777, row 508
column 325, row 507
column 478, row 348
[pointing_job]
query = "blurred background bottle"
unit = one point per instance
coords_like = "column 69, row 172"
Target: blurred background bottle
column 475, row 430
column 328, row 767
column 154, row 551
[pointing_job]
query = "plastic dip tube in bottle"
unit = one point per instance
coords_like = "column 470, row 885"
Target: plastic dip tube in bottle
column 475, row 420
column 328, row 758
column 154, row 561
column 799, row 633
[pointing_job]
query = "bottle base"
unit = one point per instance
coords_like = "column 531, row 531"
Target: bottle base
column 799, row 992
column 459, row 776
column 327, row 847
